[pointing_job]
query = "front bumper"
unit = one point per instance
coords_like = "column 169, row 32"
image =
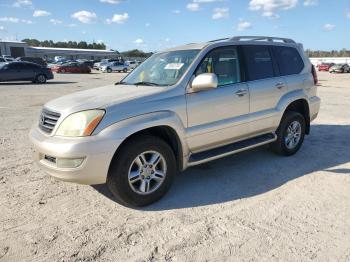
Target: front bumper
column 97, row 152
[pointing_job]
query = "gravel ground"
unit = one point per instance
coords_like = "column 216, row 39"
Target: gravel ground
column 254, row 206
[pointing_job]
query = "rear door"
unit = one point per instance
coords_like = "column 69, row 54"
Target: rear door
column 266, row 87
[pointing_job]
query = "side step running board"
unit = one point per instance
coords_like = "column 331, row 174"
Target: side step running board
column 212, row 154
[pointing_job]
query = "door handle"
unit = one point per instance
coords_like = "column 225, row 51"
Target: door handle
column 279, row 85
column 241, row 92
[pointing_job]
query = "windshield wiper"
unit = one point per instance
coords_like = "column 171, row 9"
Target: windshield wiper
column 145, row 83
column 121, row 83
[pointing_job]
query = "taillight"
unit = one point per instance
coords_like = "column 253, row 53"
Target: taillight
column 314, row 74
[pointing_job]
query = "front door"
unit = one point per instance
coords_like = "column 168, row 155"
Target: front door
column 218, row 116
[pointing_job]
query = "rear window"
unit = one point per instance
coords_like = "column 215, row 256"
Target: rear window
column 288, row 60
column 258, row 61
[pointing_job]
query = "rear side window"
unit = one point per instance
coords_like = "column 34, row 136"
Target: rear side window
column 288, row 60
column 224, row 63
column 258, row 61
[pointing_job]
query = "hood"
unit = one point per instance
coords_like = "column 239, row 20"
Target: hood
column 99, row 97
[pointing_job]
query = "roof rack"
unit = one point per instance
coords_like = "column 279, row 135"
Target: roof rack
column 220, row 39
column 261, row 38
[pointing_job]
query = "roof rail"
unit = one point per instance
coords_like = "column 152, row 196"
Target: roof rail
column 261, row 38
column 220, row 39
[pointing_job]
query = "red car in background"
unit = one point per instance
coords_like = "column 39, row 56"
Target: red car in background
column 325, row 66
column 72, row 67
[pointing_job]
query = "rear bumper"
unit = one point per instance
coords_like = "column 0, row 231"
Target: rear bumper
column 96, row 151
column 314, row 104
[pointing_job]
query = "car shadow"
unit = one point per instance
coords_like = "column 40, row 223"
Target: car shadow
column 255, row 172
column 30, row 83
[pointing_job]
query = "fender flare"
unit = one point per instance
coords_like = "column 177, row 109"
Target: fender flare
column 122, row 130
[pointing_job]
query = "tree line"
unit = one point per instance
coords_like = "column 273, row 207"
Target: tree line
column 136, row 53
column 334, row 53
column 62, row 44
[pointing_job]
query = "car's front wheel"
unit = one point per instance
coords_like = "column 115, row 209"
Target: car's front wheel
column 109, row 70
column 142, row 171
column 125, row 70
column 290, row 134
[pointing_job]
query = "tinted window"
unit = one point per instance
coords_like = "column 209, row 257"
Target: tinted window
column 29, row 66
column 224, row 63
column 258, row 61
column 16, row 66
column 2, row 60
column 289, row 60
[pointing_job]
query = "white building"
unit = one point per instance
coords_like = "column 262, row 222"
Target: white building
column 337, row 60
column 19, row 49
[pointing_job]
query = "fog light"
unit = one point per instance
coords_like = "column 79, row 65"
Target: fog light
column 69, row 162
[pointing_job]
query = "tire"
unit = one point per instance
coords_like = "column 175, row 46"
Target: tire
column 109, row 70
column 281, row 146
column 40, row 79
column 125, row 70
column 131, row 192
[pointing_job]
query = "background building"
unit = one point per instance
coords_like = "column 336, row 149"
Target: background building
column 19, row 49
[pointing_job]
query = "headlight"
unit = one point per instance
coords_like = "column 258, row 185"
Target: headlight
column 81, row 123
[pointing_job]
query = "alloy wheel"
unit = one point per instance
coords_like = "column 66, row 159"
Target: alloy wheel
column 147, row 172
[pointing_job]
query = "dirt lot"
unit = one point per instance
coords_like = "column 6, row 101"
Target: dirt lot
column 255, row 206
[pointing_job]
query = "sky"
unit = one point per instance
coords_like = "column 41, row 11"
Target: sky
column 152, row 25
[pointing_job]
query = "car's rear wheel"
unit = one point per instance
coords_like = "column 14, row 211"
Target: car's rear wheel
column 41, row 79
column 109, row 70
column 290, row 134
column 142, row 171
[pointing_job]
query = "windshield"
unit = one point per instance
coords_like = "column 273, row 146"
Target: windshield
column 162, row 69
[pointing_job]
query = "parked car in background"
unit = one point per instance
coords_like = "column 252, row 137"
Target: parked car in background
column 87, row 63
column 132, row 64
column 181, row 107
column 115, row 66
column 72, row 67
column 340, row 68
column 103, row 62
column 2, row 60
column 24, row 71
column 36, row 60
column 325, row 66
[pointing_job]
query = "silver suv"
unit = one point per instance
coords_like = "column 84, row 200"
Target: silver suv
column 182, row 107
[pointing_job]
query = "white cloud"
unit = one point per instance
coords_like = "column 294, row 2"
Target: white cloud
column 56, row 21
column 118, row 18
column 176, row 11
column 328, row 27
column 192, row 6
column 348, row 15
column 2, row 28
column 167, row 39
column 139, row 41
column 38, row 13
column 270, row 7
column 147, row 24
column 22, row 3
column 113, row 2
column 243, row 25
column 15, row 20
column 219, row 13
column 85, row 17
column 310, row 2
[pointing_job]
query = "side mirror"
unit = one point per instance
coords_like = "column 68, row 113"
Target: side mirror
column 204, row 81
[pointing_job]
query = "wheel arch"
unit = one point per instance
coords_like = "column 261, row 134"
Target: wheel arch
column 301, row 106
column 163, row 124
column 166, row 133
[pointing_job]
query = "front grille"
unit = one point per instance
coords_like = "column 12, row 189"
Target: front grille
column 48, row 120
